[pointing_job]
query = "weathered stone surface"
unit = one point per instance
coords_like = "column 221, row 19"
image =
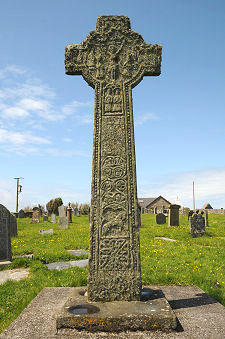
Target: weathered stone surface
column 15, row 274
column 50, row 231
column 63, row 222
column 153, row 312
column 160, row 219
column 53, row 218
column 13, row 225
column 63, row 265
column 173, row 217
column 197, row 225
column 5, row 236
column 35, row 216
column 113, row 59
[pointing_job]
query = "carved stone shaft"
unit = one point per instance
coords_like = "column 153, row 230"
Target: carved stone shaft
column 113, row 59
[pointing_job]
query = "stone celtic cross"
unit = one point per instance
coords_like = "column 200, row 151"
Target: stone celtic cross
column 113, row 59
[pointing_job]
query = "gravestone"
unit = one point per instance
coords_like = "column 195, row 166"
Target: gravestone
column 160, row 219
column 5, row 237
column 197, row 225
column 45, row 218
column 206, row 218
column 69, row 211
column 13, row 225
column 63, row 222
column 21, row 214
column 35, row 216
column 173, row 217
column 113, row 59
column 190, row 213
column 53, row 218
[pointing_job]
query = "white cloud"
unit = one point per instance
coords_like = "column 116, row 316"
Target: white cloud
column 67, row 140
column 13, row 69
column 65, row 153
column 142, row 118
column 21, row 138
column 209, row 187
column 76, row 109
column 15, row 112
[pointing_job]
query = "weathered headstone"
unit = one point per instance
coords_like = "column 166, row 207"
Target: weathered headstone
column 197, row 225
column 63, row 222
column 5, row 238
column 53, row 218
column 13, row 225
column 35, row 217
column 206, row 218
column 45, row 218
column 21, row 214
column 69, row 211
column 113, row 59
column 160, row 219
column 173, row 217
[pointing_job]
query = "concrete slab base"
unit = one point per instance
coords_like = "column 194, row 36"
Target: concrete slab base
column 199, row 316
column 153, row 312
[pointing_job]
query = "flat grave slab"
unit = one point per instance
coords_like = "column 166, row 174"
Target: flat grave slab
column 63, row 265
column 76, row 253
column 15, row 274
column 199, row 316
column 167, row 239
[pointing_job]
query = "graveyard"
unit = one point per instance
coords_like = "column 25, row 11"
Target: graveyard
column 186, row 261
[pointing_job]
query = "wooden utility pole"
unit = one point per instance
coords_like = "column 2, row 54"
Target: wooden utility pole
column 193, row 195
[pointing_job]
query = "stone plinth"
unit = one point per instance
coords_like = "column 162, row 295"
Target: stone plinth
column 173, row 217
column 152, row 313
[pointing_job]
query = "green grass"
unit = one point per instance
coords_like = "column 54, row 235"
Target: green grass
column 189, row 261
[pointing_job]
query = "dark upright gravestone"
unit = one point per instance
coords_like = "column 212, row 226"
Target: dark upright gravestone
column 45, row 218
column 113, row 59
column 173, row 217
column 197, row 225
column 160, row 219
column 13, row 225
column 21, row 214
column 5, row 237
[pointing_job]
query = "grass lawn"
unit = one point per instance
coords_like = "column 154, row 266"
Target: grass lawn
column 188, row 261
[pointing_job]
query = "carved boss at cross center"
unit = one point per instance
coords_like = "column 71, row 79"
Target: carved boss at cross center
column 113, row 59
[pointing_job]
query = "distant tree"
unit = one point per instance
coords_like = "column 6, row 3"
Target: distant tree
column 75, row 205
column 52, row 205
column 28, row 209
column 84, row 209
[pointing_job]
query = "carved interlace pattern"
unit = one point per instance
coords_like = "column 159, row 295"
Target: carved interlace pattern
column 113, row 59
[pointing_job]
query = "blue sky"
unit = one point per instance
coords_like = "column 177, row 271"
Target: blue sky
column 46, row 117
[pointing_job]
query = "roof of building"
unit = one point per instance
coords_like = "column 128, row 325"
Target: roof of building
column 144, row 202
column 207, row 205
column 147, row 202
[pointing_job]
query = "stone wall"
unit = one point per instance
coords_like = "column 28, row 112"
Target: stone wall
column 215, row 211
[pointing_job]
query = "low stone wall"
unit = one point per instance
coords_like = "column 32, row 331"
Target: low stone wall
column 215, row 211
